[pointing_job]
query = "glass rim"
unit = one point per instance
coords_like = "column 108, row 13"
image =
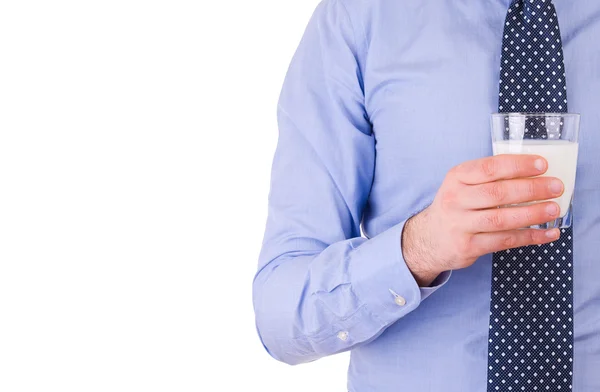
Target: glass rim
column 536, row 114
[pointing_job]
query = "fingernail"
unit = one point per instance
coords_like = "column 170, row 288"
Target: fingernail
column 552, row 209
column 552, row 233
column 556, row 187
column 539, row 164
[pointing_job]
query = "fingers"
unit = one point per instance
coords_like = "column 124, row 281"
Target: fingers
column 500, row 167
column 504, row 219
column 505, row 192
column 485, row 243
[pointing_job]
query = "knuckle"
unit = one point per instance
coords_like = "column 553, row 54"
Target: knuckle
column 448, row 199
column 495, row 220
column 517, row 164
column 457, row 173
column 535, row 189
column 459, row 169
column 464, row 246
column 489, row 167
column 509, row 241
column 529, row 214
column 532, row 237
column 495, row 191
column 531, row 189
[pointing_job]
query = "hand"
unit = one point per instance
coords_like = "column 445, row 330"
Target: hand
column 464, row 223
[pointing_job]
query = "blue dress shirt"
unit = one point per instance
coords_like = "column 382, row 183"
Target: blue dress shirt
column 381, row 99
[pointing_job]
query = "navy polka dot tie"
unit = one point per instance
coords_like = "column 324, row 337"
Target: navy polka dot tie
column 530, row 344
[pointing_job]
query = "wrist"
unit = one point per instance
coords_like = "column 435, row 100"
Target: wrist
column 416, row 250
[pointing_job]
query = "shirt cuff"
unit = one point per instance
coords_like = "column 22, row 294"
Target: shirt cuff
column 383, row 282
column 437, row 283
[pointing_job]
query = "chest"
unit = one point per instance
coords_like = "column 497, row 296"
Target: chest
column 431, row 83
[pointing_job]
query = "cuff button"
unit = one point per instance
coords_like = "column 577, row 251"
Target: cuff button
column 343, row 336
column 400, row 301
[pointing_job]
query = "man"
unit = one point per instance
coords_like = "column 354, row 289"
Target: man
column 384, row 122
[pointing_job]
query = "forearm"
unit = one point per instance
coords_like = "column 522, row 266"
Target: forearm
column 309, row 307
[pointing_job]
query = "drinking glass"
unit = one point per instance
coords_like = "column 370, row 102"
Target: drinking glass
column 554, row 136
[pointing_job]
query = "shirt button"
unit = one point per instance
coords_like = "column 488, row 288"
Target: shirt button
column 343, row 336
column 400, row 301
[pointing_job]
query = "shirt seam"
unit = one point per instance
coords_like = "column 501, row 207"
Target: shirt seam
column 357, row 48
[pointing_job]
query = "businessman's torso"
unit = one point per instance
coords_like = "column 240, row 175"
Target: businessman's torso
column 431, row 76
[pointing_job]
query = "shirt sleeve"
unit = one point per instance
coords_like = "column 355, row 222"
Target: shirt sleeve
column 321, row 288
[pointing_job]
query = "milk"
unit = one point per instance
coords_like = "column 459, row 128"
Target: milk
column 562, row 161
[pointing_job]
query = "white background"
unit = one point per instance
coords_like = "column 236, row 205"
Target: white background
column 136, row 140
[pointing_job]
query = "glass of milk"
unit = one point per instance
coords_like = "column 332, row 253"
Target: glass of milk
column 554, row 136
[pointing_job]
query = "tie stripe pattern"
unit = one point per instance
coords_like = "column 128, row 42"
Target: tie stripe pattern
column 530, row 345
